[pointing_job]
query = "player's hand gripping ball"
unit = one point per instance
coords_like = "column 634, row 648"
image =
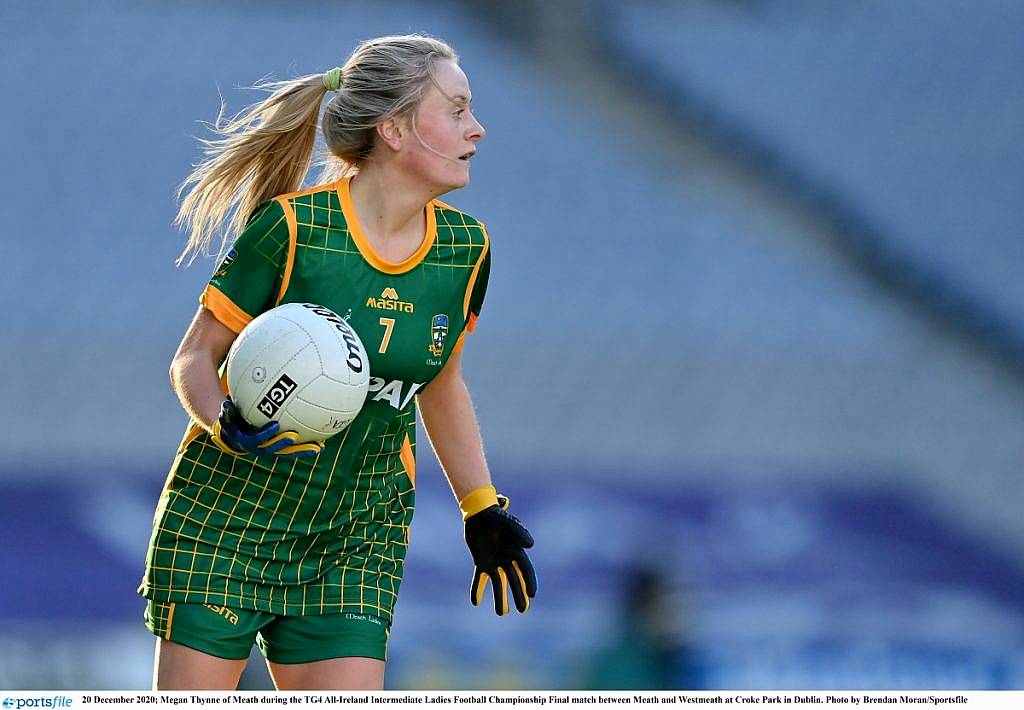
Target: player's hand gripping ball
column 299, row 366
column 234, row 435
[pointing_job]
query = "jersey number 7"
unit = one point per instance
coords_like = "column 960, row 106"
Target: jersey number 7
column 389, row 325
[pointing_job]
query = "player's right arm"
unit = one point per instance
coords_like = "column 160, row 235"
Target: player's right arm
column 243, row 286
column 195, row 380
column 194, row 367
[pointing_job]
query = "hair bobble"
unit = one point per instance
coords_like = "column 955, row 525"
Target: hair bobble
column 332, row 79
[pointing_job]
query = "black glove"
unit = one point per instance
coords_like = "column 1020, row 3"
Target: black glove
column 497, row 541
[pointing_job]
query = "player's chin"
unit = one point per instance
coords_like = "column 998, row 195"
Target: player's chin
column 457, row 181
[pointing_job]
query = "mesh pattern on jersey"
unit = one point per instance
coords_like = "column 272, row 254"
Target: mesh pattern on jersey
column 322, row 228
column 275, row 536
column 297, row 537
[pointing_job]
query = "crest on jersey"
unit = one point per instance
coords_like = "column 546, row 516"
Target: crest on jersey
column 438, row 332
column 222, row 270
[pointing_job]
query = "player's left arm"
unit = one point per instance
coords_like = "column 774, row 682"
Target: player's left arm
column 448, row 416
column 496, row 539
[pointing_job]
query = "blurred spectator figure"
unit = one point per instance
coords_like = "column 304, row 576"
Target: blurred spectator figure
column 648, row 648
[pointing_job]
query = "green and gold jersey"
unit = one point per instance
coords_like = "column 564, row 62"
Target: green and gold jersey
column 323, row 535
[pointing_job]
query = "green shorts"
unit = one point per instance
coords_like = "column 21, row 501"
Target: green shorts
column 230, row 633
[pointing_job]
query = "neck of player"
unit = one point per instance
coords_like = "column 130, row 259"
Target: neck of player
column 389, row 205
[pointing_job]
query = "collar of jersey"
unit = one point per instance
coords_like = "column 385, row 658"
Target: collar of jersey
column 363, row 244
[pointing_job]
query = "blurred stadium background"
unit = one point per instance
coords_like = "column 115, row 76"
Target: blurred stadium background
column 751, row 364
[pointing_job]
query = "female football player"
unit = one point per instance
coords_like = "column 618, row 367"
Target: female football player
column 300, row 547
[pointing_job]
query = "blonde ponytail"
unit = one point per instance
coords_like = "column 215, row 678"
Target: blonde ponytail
column 263, row 151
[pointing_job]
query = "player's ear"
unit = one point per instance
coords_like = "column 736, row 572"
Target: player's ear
column 392, row 132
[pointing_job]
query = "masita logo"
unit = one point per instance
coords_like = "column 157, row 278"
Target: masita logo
column 57, row 701
column 389, row 301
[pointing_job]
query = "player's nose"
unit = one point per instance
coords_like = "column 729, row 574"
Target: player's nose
column 476, row 131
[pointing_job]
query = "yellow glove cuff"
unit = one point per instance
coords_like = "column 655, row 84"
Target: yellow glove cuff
column 478, row 499
column 215, row 437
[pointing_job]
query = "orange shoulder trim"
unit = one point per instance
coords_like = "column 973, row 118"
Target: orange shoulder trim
column 224, row 309
column 326, row 187
column 472, row 279
column 446, row 206
column 459, row 343
column 293, row 240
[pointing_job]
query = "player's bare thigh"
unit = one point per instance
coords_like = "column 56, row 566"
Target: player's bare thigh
column 178, row 667
column 329, row 674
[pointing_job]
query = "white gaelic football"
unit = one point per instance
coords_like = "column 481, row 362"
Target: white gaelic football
column 302, row 365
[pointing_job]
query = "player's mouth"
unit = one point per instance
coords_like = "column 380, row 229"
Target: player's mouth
column 467, row 156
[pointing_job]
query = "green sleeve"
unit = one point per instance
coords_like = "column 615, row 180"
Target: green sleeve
column 250, row 275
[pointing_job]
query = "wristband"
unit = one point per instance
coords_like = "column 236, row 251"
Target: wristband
column 478, row 499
